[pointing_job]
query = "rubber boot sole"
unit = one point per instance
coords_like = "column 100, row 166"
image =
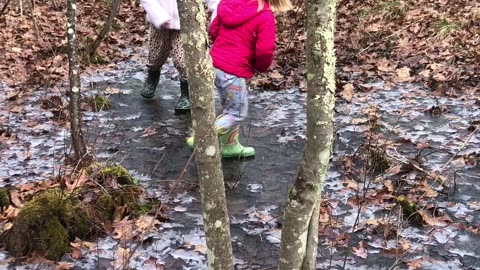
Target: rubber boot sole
column 181, row 111
column 147, row 96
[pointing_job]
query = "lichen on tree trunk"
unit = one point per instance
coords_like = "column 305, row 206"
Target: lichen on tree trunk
column 207, row 156
column 299, row 233
column 74, row 76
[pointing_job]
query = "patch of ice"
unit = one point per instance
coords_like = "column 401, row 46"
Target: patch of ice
column 255, row 188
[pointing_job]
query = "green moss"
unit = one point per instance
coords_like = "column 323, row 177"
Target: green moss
column 4, row 199
column 48, row 215
column 119, row 173
column 408, row 207
column 106, row 207
column 54, row 240
column 47, row 223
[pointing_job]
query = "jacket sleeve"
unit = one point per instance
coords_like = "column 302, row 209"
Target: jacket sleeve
column 156, row 14
column 265, row 42
column 215, row 28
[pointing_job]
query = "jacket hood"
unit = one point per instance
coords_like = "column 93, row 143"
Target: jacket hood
column 233, row 13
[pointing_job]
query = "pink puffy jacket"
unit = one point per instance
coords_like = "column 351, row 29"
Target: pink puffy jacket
column 243, row 37
column 164, row 13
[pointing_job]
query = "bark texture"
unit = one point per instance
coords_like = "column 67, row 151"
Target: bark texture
column 300, row 221
column 74, row 77
column 212, row 189
column 114, row 9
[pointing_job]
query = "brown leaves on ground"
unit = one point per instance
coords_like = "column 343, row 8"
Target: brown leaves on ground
column 429, row 42
column 34, row 45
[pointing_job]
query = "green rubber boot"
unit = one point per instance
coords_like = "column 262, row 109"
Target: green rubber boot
column 191, row 140
column 220, row 132
column 183, row 103
column 150, row 84
column 231, row 147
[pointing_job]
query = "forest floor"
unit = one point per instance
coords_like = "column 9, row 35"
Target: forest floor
column 407, row 127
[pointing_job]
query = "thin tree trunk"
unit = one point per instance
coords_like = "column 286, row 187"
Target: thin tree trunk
column 114, row 9
column 74, row 77
column 212, row 188
column 300, row 214
column 310, row 261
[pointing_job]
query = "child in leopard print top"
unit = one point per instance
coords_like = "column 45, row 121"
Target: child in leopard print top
column 164, row 39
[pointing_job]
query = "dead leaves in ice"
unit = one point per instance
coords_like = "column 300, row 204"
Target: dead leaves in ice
column 360, row 251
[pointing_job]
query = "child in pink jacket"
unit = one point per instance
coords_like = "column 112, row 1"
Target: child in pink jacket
column 243, row 34
column 164, row 39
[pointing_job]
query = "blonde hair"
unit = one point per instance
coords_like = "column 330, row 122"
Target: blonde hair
column 279, row 5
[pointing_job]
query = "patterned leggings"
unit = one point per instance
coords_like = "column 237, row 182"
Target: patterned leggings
column 233, row 94
column 160, row 44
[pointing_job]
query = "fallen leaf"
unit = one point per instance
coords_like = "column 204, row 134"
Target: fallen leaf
column 356, row 121
column 347, row 93
column 122, row 258
column 146, row 224
column 415, row 264
column 159, row 265
column 384, row 65
column 111, row 90
column 119, row 211
column 63, row 266
column 11, row 212
column 201, row 249
column 276, row 75
column 389, row 185
column 351, row 184
column 149, row 132
column 404, row 244
column 76, row 253
column 15, row 198
column 403, row 75
column 441, row 221
column 16, row 109
column 360, row 251
column 123, row 230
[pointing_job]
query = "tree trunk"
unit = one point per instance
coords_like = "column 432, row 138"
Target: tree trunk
column 114, row 9
column 74, row 77
column 212, row 189
column 300, row 231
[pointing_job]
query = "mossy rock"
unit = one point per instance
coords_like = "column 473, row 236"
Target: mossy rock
column 105, row 207
column 47, row 224
column 54, row 240
column 119, row 173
